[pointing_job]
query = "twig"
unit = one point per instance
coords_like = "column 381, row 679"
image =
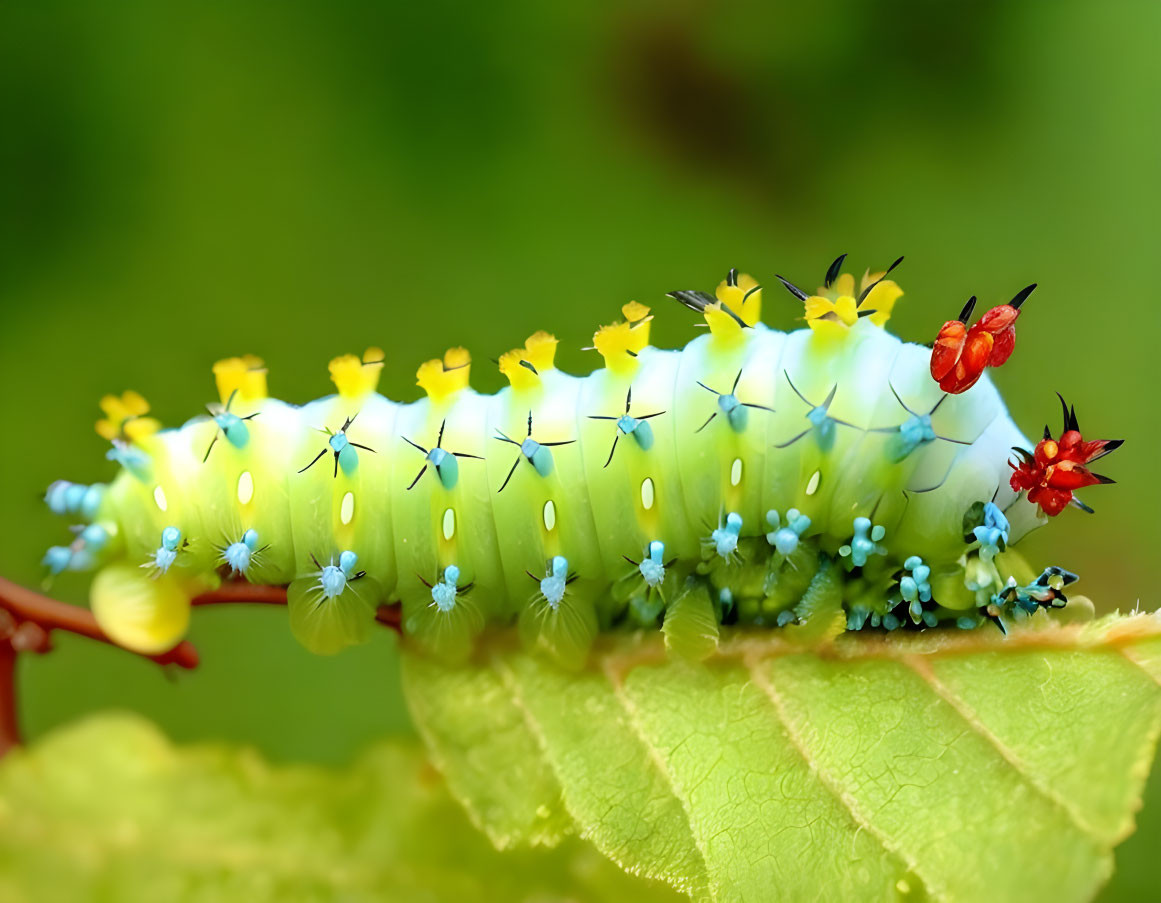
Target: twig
column 9, row 728
column 27, row 619
column 28, row 606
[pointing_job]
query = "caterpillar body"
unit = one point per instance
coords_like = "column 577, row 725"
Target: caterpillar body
column 814, row 480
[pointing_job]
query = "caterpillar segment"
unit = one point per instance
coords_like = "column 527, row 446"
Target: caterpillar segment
column 811, row 481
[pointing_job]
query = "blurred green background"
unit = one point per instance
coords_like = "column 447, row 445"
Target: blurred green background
column 182, row 182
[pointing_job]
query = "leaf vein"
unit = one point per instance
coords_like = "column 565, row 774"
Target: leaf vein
column 634, row 721
column 862, row 823
column 922, row 667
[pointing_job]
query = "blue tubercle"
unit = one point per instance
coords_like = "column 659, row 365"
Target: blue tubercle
column 553, row 585
column 63, row 497
column 864, row 543
column 333, row 579
column 443, row 594
column 131, row 458
column 823, row 426
column 348, row 457
column 992, row 534
column 785, row 538
column 538, row 455
column 640, row 430
column 725, row 538
column 653, row 566
column 166, row 554
column 914, row 586
column 447, row 468
column 57, row 559
column 725, row 603
column 233, row 428
column 914, row 432
column 239, row 555
column 94, row 537
column 916, row 590
column 736, row 413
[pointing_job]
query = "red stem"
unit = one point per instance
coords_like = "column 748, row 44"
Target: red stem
column 9, row 724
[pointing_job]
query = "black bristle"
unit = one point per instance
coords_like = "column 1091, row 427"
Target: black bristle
column 1111, row 445
column 792, row 288
column 870, row 288
column 1070, row 422
column 966, row 313
column 833, row 270
column 699, row 301
column 1022, row 296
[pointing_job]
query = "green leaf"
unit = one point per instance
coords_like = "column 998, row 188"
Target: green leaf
column 943, row 765
column 109, row 810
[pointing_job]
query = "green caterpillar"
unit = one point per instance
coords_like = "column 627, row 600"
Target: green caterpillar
column 814, row 480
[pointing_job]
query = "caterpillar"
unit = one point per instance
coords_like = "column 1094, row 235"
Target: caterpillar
column 824, row 479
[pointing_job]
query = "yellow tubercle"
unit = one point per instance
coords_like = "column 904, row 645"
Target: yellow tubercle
column 245, row 375
column 743, row 297
column 621, row 342
column 882, row 297
column 831, row 312
column 637, row 314
column 125, row 418
column 355, row 376
column 740, row 294
column 442, row 378
column 523, row 366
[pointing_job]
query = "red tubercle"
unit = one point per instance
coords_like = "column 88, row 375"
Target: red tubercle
column 1058, row 467
column 961, row 354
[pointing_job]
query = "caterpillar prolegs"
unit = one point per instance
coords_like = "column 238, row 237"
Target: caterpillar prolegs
column 813, row 481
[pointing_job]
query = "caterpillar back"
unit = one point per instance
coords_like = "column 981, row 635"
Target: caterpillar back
column 814, row 481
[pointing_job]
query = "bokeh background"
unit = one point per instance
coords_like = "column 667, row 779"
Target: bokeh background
column 182, row 182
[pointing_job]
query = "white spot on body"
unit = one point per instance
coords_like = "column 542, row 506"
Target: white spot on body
column 647, row 494
column 812, row 483
column 159, row 497
column 449, row 523
column 549, row 515
column 736, row 472
column 347, row 508
column 245, row 487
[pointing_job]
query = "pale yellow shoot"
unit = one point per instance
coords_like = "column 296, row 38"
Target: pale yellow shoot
column 523, row 366
column 441, row 379
column 124, row 418
column 355, row 377
column 245, row 375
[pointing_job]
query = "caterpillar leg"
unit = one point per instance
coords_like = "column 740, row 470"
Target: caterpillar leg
column 148, row 614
